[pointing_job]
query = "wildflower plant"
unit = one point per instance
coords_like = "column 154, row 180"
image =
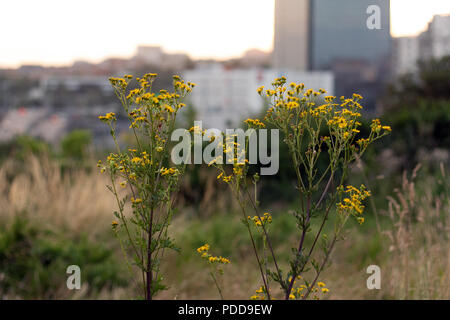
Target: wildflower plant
column 144, row 171
column 215, row 265
column 316, row 127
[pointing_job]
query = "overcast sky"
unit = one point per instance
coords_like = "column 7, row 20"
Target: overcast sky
column 55, row 32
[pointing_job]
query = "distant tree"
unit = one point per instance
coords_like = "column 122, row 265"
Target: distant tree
column 75, row 144
column 417, row 107
column 431, row 82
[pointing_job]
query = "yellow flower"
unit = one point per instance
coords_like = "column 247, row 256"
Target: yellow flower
column 321, row 284
column 255, row 122
column 259, row 221
column 137, row 200
column 357, row 96
column 168, row 171
column 329, row 98
column 136, row 160
column 376, row 125
column 203, row 248
column 114, row 224
column 123, row 184
column 108, row 117
column 325, row 290
column 224, row 260
column 169, row 109
column 352, row 204
column 260, row 90
column 132, row 93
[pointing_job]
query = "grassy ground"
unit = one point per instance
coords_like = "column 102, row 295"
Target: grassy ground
column 50, row 220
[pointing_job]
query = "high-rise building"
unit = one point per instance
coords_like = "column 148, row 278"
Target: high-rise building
column 351, row 38
column 291, row 38
column 312, row 34
column 339, row 30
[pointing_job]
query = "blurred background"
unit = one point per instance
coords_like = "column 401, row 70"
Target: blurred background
column 55, row 61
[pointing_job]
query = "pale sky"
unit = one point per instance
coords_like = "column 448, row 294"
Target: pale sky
column 55, row 32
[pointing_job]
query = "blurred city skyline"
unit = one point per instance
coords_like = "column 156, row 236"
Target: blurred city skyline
column 58, row 33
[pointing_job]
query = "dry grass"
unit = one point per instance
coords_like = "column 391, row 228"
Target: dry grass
column 419, row 253
column 77, row 201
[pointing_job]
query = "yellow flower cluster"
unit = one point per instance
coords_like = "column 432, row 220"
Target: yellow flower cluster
column 181, row 86
column 224, row 177
column 352, row 203
column 321, row 110
column 289, row 109
column 263, row 220
column 129, row 165
column 143, row 159
column 136, row 200
column 146, row 80
column 377, row 127
column 254, row 123
column 169, row 171
column 197, row 130
column 153, row 106
column 218, row 259
column 138, row 116
column 111, row 116
column 279, row 81
column 136, row 160
column 259, row 294
column 114, row 163
column 204, row 250
column 300, row 291
column 343, row 123
column 119, row 82
column 132, row 93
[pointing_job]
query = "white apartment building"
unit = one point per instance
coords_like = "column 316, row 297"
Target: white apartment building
column 435, row 42
column 224, row 98
column 432, row 43
column 405, row 54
